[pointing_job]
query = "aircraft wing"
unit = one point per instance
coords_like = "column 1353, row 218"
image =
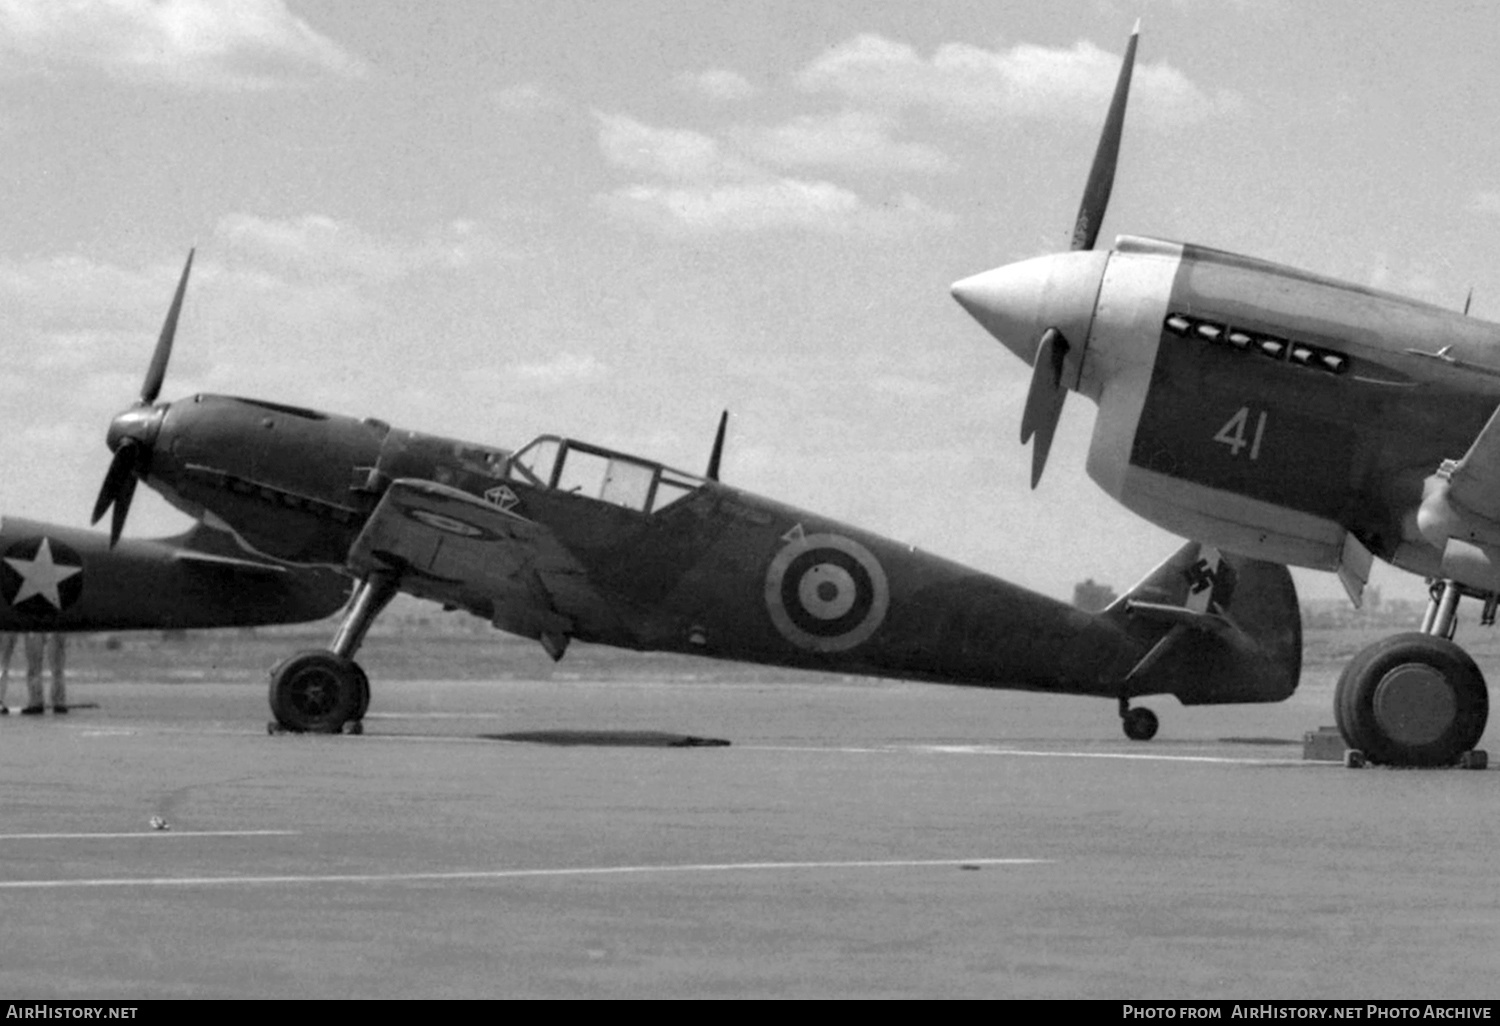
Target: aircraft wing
column 1474, row 484
column 451, row 547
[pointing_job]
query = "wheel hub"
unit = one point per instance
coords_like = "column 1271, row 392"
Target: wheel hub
column 314, row 692
column 1415, row 704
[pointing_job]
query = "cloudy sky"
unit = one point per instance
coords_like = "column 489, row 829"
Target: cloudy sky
column 612, row 218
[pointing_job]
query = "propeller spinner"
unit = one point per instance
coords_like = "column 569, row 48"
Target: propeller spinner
column 1007, row 300
column 133, row 432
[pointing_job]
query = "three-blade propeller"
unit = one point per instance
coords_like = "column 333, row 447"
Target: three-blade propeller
column 131, row 433
column 1044, row 400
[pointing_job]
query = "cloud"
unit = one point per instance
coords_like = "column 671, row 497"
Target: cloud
column 854, row 140
column 79, row 290
column 970, row 83
column 246, row 44
column 717, row 84
column 770, row 203
column 296, row 281
column 315, row 245
column 904, row 387
column 1485, row 202
column 672, row 153
column 704, row 188
column 562, row 369
column 311, row 247
column 737, row 207
column 531, row 98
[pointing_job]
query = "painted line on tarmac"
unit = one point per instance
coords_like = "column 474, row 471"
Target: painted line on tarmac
column 1032, row 753
column 436, row 715
column 1138, row 756
column 149, row 833
column 504, row 874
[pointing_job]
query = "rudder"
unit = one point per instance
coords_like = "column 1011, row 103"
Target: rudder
column 1215, row 628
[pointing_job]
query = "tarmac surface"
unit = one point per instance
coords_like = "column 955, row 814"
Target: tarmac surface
column 854, row 838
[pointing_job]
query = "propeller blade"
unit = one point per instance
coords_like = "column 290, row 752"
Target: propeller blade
column 121, row 469
column 718, row 451
column 122, row 509
column 1044, row 400
column 157, row 372
column 1102, row 173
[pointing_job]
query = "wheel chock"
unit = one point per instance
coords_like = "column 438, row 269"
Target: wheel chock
column 1477, row 759
column 1354, row 759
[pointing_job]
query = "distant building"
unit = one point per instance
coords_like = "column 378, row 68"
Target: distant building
column 1091, row 596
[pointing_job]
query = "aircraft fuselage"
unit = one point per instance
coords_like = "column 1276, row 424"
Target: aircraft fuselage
column 1253, row 406
column 55, row 578
column 713, row 571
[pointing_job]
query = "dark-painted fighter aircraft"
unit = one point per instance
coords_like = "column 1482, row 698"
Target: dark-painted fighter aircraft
column 64, row 579
column 1284, row 416
column 562, row 540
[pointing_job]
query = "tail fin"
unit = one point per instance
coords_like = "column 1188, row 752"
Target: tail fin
column 1214, row 628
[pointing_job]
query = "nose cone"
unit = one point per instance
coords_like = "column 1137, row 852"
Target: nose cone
column 1018, row 302
column 139, row 423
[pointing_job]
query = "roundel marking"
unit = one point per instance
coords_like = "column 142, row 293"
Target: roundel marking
column 826, row 593
column 442, row 522
column 40, row 576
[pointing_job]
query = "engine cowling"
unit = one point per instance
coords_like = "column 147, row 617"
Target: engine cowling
column 1182, row 450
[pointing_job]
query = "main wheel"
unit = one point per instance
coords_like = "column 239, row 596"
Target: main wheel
column 1140, row 724
column 1412, row 700
column 317, row 691
column 362, row 705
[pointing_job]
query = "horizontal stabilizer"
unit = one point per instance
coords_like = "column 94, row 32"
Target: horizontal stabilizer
column 1168, row 614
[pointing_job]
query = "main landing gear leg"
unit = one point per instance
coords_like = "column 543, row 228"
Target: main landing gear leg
column 325, row 691
column 1140, row 724
column 1416, row 699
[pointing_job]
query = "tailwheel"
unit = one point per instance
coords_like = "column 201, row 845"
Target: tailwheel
column 317, row 692
column 1412, row 700
column 1140, row 724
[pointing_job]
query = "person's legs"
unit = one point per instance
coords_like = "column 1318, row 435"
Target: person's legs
column 7, row 649
column 34, row 645
column 57, row 654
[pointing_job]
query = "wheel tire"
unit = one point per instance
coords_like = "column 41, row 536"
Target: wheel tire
column 362, row 705
column 1412, row 700
column 1140, row 724
column 315, row 692
column 1338, row 711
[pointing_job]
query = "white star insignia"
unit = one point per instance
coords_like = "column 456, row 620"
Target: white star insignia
column 41, row 576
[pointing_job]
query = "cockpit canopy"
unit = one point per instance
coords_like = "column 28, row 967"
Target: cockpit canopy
column 564, row 465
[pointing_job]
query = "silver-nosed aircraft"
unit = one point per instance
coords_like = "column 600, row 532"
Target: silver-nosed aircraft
column 561, row 540
column 1284, row 416
column 64, row 579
